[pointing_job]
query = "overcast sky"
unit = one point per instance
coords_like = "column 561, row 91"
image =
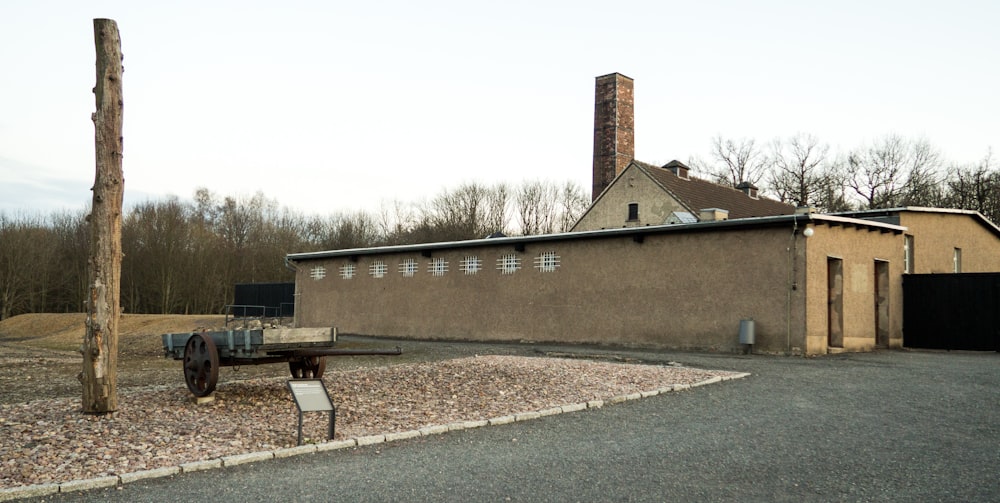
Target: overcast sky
column 331, row 106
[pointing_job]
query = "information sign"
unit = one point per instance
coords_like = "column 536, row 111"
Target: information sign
column 311, row 396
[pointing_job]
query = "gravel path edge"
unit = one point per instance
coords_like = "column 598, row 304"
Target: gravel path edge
column 39, row 490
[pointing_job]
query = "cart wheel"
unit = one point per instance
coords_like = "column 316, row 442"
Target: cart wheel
column 310, row 367
column 201, row 364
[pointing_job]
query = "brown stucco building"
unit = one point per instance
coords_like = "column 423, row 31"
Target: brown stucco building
column 659, row 260
column 811, row 283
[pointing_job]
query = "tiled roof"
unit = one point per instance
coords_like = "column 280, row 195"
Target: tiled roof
column 698, row 194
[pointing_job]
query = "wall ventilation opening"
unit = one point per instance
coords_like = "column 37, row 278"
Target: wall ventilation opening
column 408, row 268
column 508, row 264
column 438, row 267
column 318, row 272
column 547, row 262
column 347, row 271
column 377, row 269
column 471, row 265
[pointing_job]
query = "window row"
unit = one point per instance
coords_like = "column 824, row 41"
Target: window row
column 507, row 264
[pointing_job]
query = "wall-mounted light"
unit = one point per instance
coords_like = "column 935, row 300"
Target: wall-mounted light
column 808, row 232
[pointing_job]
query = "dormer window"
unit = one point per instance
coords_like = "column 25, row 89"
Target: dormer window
column 678, row 168
column 749, row 189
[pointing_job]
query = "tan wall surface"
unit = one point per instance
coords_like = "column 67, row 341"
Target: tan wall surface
column 634, row 186
column 674, row 290
column 936, row 235
column 859, row 248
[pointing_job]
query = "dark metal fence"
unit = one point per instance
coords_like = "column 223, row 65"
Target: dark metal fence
column 952, row 311
column 271, row 300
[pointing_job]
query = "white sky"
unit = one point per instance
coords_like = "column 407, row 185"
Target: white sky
column 332, row 106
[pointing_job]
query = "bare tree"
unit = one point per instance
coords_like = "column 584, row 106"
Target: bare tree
column 572, row 203
column 71, row 231
column 976, row 187
column 536, row 204
column 880, row 172
column 154, row 238
column 15, row 257
column 343, row 230
column 924, row 185
column 735, row 161
column 800, row 173
column 497, row 217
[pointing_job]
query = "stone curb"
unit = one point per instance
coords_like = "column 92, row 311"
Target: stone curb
column 82, row 485
column 166, row 471
column 339, row 444
column 32, row 491
column 403, row 435
column 197, row 466
column 13, row 493
column 295, row 451
column 370, row 440
column 239, row 459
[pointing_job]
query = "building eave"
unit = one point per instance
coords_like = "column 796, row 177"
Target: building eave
column 985, row 222
column 793, row 221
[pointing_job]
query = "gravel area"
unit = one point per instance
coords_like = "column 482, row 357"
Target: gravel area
column 49, row 441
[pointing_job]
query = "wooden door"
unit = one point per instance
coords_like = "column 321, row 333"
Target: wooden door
column 881, row 304
column 835, row 302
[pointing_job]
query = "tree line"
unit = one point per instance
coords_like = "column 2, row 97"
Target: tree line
column 184, row 257
column 891, row 171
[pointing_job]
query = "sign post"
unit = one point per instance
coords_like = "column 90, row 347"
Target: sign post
column 311, row 396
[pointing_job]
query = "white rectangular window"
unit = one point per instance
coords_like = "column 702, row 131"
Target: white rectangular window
column 347, row 271
column 547, row 262
column 957, row 258
column 438, row 267
column 318, row 272
column 508, row 264
column 408, row 268
column 471, row 265
column 377, row 269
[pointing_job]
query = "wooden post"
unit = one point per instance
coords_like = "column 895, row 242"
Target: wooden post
column 100, row 344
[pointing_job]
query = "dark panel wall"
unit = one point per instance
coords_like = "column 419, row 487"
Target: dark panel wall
column 952, row 311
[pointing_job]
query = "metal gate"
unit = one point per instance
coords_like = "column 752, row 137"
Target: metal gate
column 952, row 311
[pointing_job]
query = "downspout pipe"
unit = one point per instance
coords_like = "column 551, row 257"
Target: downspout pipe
column 793, row 273
column 791, row 285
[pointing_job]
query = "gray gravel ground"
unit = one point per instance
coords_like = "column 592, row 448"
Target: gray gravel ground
column 887, row 426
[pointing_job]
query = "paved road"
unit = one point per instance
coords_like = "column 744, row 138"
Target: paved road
column 890, row 426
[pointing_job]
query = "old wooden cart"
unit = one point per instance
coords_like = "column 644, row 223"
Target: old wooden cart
column 304, row 349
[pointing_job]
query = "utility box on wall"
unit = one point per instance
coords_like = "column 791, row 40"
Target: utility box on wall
column 747, row 332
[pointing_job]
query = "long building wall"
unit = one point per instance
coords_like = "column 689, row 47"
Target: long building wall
column 686, row 287
column 677, row 290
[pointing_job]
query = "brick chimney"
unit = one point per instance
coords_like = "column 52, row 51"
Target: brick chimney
column 713, row 215
column 614, row 142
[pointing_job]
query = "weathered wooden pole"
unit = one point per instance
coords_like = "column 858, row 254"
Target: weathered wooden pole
column 100, row 344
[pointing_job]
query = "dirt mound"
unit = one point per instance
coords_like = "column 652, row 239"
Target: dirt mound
column 137, row 333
